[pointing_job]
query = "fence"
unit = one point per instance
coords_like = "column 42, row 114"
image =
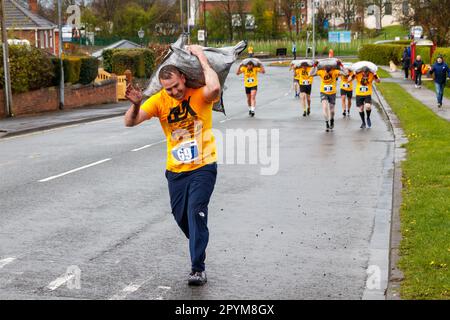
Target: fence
column 121, row 82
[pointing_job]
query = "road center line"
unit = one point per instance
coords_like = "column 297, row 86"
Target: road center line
column 74, row 170
column 128, row 290
column 59, row 282
column 6, row 261
column 147, row 146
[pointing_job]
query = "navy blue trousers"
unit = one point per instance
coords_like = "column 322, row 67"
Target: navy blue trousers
column 189, row 198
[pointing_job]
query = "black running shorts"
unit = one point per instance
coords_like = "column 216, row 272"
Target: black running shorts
column 306, row 89
column 362, row 100
column 348, row 94
column 331, row 98
column 249, row 89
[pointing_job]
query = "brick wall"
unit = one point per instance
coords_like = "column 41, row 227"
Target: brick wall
column 47, row 99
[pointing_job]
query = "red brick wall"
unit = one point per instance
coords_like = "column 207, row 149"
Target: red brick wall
column 47, row 99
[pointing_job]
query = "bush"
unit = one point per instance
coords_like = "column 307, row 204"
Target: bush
column 30, row 68
column 445, row 53
column 107, row 59
column 381, row 53
column 159, row 52
column 132, row 60
column 88, row 70
column 72, row 67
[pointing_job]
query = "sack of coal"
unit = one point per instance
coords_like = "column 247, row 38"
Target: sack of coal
column 220, row 60
column 302, row 63
column 256, row 62
column 329, row 62
column 360, row 65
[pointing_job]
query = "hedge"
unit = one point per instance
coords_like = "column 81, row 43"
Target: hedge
column 381, row 53
column 72, row 68
column 132, row 60
column 88, row 70
column 30, row 68
column 445, row 53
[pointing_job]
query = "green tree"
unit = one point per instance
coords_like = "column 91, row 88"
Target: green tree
column 263, row 19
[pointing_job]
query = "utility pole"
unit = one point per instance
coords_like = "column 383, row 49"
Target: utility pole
column 61, row 65
column 7, row 86
column 204, row 20
column 314, row 28
column 181, row 16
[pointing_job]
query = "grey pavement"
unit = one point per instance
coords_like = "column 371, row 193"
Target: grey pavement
column 424, row 95
column 90, row 202
column 25, row 124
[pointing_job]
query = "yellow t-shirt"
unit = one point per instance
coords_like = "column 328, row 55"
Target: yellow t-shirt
column 303, row 76
column 328, row 85
column 345, row 84
column 250, row 76
column 187, row 126
column 250, row 50
column 364, row 84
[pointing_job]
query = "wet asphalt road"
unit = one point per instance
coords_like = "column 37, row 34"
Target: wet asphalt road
column 303, row 231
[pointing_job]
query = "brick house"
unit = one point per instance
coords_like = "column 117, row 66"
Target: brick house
column 23, row 22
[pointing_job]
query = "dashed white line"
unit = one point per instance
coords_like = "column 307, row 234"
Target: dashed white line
column 147, row 146
column 128, row 290
column 60, row 281
column 6, row 261
column 74, row 170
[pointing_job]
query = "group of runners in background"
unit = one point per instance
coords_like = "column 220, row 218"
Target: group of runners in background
column 303, row 79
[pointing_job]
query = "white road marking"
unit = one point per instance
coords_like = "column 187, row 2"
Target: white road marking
column 147, row 146
column 60, row 281
column 164, row 288
column 6, row 261
column 128, row 290
column 74, row 170
column 228, row 119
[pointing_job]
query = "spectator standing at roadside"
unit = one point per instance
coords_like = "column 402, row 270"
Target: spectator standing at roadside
column 406, row 61
column 441, row 71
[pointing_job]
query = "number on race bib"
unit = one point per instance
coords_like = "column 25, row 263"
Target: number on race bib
column 346, row 85
column 327, row 88
column 186, row 152
column 305, row 82
column 364, row 89
column 250, row 80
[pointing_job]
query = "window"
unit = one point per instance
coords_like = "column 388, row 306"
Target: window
column 370, row 10
column 388, row 8
column 405, row 8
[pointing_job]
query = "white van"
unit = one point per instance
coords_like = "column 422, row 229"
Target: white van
column 416, row 32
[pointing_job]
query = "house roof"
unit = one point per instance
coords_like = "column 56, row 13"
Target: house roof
column 122, row 44
column 19, row 17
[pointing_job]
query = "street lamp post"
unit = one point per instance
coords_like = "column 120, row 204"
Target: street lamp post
column 314, row 28
column 7, row 75
column 60, row 55
column 141, row 34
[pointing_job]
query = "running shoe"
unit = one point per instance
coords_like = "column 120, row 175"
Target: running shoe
column 344, row 113
column 309, row 111
column 439, row 105
column 363, row 126
column 252, row 113
column 197, row 278
column 332, row 124
column 328, row 127
column 369, row 123
column 249, row 112
column 304, row 113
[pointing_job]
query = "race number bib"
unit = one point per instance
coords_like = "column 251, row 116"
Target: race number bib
column 328, row 88
column 346, row 86
column 250, row 80
column 186, row 152
column 305, row 82
column 363, row 89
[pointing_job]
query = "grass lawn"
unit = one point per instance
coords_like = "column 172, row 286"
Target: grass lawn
column 425, row 211
column 390, row 32
column 383, row 73
column 430, row 85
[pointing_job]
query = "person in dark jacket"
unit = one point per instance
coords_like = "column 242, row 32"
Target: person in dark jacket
column 417, row 65
column 440, row 70
column 406, row 60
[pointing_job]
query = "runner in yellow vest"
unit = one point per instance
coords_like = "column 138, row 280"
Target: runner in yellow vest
column 346, row 93
column 305, row 81
column 328, row 91
column 364, row 81
column 251, row 84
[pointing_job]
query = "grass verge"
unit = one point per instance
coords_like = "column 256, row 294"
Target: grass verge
column 425, row 211
column 383, row 73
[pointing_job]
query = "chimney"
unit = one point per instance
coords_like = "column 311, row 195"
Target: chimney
column 33, row 5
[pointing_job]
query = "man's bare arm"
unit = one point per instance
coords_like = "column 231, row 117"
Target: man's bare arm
column 134, row 115
column 211, row 90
